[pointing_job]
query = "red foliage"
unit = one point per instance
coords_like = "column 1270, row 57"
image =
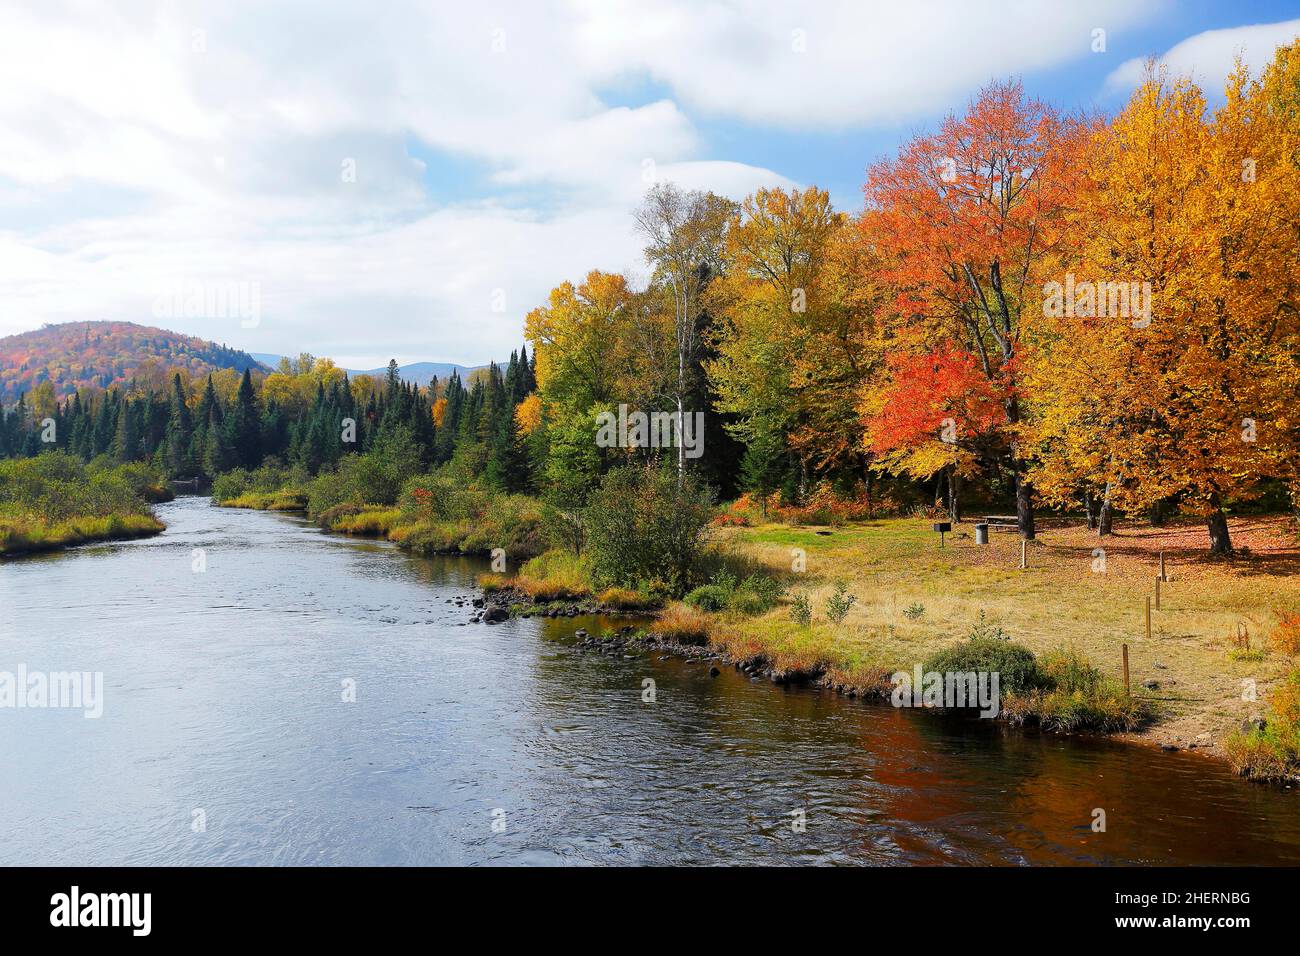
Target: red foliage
column 926, row 389
column 81, row 355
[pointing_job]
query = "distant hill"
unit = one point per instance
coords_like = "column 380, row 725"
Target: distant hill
column 418, row 372
column 77, row 355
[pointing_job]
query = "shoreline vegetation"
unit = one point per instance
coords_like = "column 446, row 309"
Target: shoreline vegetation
column 54, row 501
column 827, row 596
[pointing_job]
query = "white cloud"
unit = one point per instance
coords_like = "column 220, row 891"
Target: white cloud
column 1208, row 57
column 160, row 142
column 840, row 63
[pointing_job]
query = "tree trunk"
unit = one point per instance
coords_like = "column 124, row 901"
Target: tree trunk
column 1024, row 507
column 1157, row 515
column 870, row 514
column 681, row 434
column 954, row 497
column 1220, row 541
column 1105, row 517
column 1089, row 509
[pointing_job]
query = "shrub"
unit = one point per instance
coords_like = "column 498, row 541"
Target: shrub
column 982, row 630
column 641, row 525
column 709, row 597
column 914, row 612
column 366, row 521
column 823, row 506
column 1105, row 709
column 757, row 594
column 839, row 603
column 53, row 500
column 744, row 601
column 1016, row 666
column 1257, row 755
column 1272, row 752
column 1070, row 672
column 765, row 591
column 555, row 575
column 269, row 479
column 801, row 610
column 1285, row 638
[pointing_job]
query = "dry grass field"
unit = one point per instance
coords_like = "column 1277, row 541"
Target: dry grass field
column 913, row 597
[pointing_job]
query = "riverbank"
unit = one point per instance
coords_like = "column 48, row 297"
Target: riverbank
column 1079, row 597
column 515, row 531
column 1208, row 627
column 54, row 501
column 20, row 537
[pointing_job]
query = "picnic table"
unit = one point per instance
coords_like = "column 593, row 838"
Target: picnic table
column 1002, row 521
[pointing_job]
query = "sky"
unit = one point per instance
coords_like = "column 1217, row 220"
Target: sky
column 408, row 180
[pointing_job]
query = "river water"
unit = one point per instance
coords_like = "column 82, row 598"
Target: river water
column 226, row 737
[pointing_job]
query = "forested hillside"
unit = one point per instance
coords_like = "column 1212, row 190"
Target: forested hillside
column 307, row 414
column 81, row 355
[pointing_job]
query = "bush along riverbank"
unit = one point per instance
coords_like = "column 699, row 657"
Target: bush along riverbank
column 54, row 501
column 1268, row 748
column 424, row 514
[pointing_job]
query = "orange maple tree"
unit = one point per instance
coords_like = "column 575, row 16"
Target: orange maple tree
column 963, row 221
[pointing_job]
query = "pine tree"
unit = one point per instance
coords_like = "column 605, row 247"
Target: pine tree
column 180, row 432
column 126, row 437
column 243, row 427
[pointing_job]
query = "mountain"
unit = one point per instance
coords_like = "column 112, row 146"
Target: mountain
column 77, row 355
column 418, row 372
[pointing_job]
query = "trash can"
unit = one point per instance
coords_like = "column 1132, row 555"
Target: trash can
column 982, row 533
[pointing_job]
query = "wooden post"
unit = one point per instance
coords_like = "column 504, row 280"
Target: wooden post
column 1126, row 689
column 1162, row 567
column 1023, row 555
column 1157, row 592
column 1148, row 618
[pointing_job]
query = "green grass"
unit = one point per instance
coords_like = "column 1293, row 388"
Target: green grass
column 28, row 536
column 283, row 500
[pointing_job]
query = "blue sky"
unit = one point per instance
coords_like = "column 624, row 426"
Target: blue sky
column 409, row 179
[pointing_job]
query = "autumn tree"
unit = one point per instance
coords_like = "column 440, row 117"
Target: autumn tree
column 943, row 394
column 788, row 337
column 963, row 221
column 573, row 338
column 1184, row 398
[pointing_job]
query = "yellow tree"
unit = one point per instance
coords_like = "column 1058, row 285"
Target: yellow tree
column 573, row 338
column 1156, row 354
column 788, row 341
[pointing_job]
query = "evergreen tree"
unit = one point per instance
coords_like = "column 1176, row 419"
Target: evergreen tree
column 180, row 432
column 126, row 437
column 243, row 427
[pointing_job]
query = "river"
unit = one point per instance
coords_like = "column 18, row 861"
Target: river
column 226, row 737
